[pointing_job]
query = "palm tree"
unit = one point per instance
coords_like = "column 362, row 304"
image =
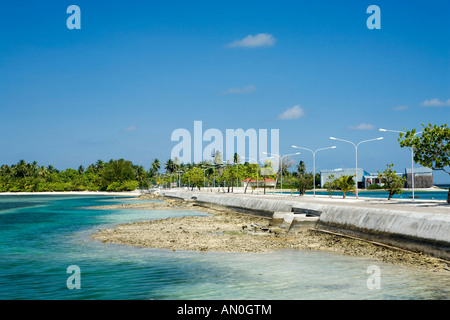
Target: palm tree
column 52, row 169
column 236, row 158
column 6, row 171
column 33, row 168
column 156, row 165
column 170, row 166
column 43, row 172
column 21, row 169
column 346, row 184
column 301, row 168
column 303, row 178
column 140, row 173
column 99, row 164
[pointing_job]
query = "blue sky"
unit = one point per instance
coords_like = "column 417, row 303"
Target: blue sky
column 138, row 70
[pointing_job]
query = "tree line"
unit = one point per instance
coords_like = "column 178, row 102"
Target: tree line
column 123, row 175
column 217, row 173
column 431, row 149
column 115, row 175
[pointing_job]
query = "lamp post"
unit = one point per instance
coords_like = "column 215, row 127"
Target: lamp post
column 281, row 163
column 314, row 162
column 412, row 157
column 237, row 168
column 356, row 156
column 179, row 172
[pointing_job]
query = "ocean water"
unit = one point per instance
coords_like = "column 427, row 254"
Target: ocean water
column 407, row 195
column 41, row 236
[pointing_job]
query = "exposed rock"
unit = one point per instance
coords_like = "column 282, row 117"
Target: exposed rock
column 229, row 231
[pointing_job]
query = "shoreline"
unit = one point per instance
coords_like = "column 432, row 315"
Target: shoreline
column 81, row 193
column 225, row 230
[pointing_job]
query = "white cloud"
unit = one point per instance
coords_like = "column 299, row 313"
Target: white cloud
column 130, row 128
column 245, row 90
column 436, row 103
column 401, row 108
column 292, row 113
column 259, row 40
column 362, row 126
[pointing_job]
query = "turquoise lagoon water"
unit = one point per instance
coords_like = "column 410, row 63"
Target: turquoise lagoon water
column 41, row 236
column 407, row 195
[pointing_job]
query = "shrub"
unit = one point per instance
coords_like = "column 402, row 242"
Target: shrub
column 129, row 185
column 113, row 186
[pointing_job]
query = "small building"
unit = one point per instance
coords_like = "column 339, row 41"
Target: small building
column 423, row 177
column 373, row 179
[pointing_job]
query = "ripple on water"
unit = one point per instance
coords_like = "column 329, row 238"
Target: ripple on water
column 35, row 257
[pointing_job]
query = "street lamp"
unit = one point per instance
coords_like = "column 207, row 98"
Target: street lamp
column 237, row 169
column 179, row 172
column 281, row 163
column 314, row 162
column 412, row 157
column 356, row 157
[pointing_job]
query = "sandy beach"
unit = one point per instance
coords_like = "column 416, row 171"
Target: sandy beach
column 225, row 230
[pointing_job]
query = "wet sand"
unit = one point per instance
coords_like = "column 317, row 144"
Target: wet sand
column 225, row 230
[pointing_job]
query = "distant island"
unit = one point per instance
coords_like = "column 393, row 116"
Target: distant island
column 115, row 175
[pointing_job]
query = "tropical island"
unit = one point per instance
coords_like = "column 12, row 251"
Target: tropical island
column 432, row 150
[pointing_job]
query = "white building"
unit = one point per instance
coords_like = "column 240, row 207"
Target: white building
column 423, row 177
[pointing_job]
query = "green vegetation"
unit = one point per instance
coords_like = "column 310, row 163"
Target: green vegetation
column 431, row 147
column 392, row 182
column 331, row 185
column 123, row 175
column 346, row 184
column 115, row 175
column 303, row 179
column 250, row 173
column 267, row 172
column 299, row 180
column 374, row 187
column 195, row 178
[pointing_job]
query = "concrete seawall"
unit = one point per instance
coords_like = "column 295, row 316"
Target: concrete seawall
column 264, row 207
column 425, row 230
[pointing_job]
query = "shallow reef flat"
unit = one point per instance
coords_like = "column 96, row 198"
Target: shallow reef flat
column 225, row 230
